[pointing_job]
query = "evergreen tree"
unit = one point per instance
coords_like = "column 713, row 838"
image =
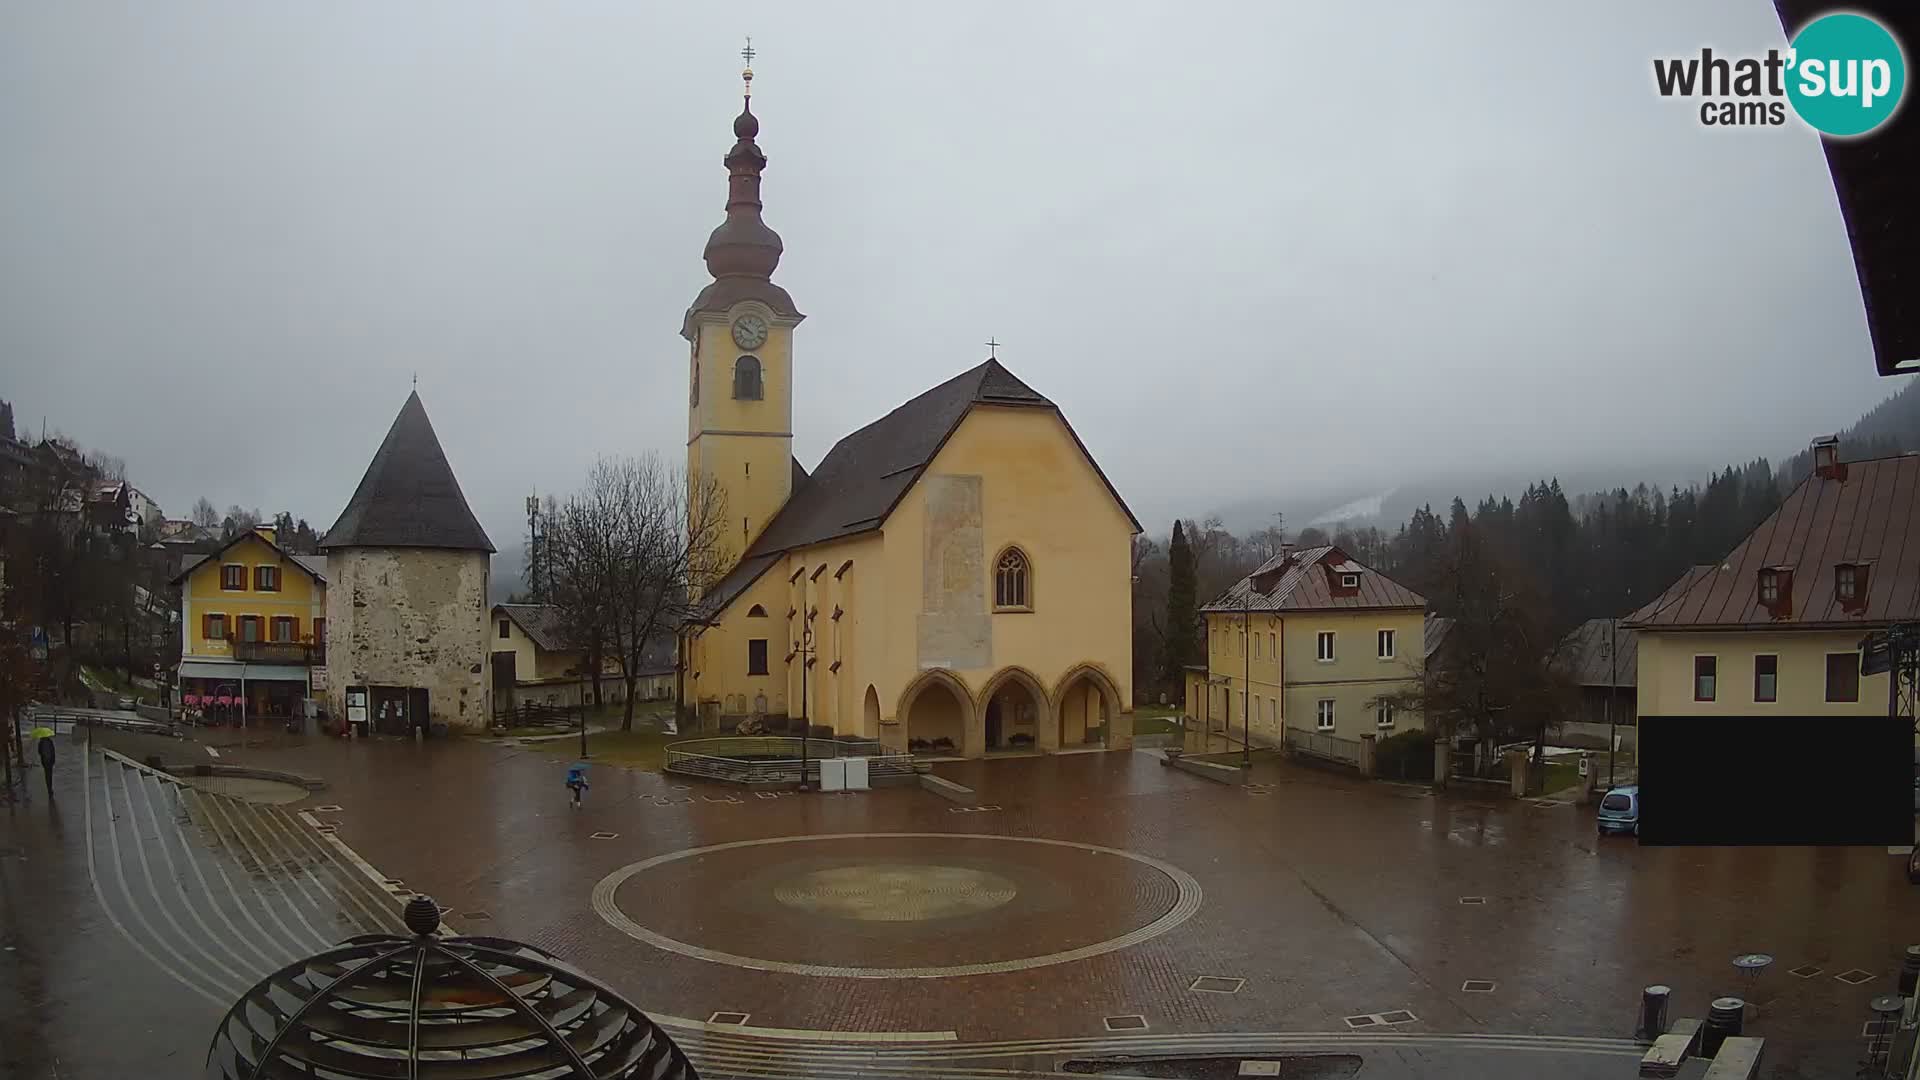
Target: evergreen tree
column 1182, row 606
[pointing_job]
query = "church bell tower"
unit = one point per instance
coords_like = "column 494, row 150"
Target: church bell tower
column 740, row 333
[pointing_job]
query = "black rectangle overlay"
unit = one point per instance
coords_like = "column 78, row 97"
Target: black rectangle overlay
column 1784, row 780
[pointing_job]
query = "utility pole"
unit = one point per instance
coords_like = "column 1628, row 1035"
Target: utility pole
column 1613, row 683
column 1246, row 678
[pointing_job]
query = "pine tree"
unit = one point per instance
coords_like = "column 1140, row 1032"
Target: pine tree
column 1182, row 604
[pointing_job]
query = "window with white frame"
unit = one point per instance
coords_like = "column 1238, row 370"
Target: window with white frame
column 1383, row 714
column 1323, row 646
column 1384, row 640
column 1323, row 714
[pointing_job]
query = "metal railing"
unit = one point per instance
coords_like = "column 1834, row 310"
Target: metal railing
column 775, row 759
column 1321, row 745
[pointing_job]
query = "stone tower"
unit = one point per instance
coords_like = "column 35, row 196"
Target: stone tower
column 407, row 567
column 740, row 329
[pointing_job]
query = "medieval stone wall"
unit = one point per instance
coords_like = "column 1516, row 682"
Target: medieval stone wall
column 410, row 617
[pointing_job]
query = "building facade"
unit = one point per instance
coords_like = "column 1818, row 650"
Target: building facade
column 1775, row 628
column 253, row 627
column 953, row 578
column 533, row 662
column 1311, row 642
column 407, row 600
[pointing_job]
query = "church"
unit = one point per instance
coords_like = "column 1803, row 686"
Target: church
column 952, row 579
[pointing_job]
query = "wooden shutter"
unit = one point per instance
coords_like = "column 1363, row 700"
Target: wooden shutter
column 206, row 627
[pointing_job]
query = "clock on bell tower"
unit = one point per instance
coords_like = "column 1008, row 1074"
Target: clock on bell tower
column 740, row 332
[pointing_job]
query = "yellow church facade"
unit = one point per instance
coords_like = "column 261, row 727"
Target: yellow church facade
column 952, row 579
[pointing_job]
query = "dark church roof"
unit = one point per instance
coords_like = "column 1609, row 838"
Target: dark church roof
column 867, row 473
column 408, row 498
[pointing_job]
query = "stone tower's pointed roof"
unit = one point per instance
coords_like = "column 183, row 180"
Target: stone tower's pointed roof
column 408, row 498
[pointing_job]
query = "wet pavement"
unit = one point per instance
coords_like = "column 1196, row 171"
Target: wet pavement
column 1089, row 895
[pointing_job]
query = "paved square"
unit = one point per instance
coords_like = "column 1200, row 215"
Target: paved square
column 1098, row 889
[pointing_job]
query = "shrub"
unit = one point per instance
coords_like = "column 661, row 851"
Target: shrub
column 1405, row 756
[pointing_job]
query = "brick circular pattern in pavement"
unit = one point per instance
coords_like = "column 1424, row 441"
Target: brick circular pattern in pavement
column 896, row 892
column 922, row 903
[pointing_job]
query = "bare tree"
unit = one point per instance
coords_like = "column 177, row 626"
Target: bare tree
column 630, row 551
column 204, row 513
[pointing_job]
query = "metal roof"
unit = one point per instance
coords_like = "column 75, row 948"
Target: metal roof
column 1437, row 629
column 1300, row 580
column 315, row 566
column 546, row 627
column 408, row 497
column 1870, row 514
column 1583, row 654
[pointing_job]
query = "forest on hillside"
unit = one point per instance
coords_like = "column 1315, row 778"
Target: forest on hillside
column 1549, row 560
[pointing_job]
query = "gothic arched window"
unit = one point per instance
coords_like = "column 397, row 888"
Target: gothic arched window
column 1012, row 581
column 756, row 612
column 746, row 378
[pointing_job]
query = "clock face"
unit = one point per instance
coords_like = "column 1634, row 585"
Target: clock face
column 749, row 331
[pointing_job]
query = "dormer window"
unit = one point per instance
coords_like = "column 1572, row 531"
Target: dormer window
column 1776, row 590
column 1850, row 582
column 1349, row 581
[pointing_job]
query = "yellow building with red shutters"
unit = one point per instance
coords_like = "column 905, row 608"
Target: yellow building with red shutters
column 252, row 627
column 954, row 578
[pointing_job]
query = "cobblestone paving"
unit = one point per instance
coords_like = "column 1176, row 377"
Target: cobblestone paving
column 1330, row 898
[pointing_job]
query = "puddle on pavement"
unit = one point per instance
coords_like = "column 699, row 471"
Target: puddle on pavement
column 248, row 788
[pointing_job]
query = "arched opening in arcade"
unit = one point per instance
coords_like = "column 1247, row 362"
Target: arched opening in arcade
column 870, row 714
column 935, row 717
column 1087, row 705
column 1015, row 708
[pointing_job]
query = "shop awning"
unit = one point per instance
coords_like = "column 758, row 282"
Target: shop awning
column 214, row 669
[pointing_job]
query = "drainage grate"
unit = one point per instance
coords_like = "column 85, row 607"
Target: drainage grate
column 1855, row 977
column 972, row 809
column 603, row 836
column 728, row 1018
column 1473, row 900
column 1217, row 984
column 328, row 828
column 1259, row 1068
column 1478, row 986
column 476, row 916
column 1129, row 1022
column 1398, row 1016
column 1874, row 1029
column 1366, row 1021
column 766, row 794
column 1806, row 971
column 330, row 808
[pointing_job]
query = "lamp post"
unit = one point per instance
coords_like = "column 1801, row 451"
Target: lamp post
column 1613, row 678
column 1246, row 679
column 804, row 650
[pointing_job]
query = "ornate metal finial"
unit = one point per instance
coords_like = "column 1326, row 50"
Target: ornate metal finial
column 993, row 349
column 422, row 916
column 746, row 74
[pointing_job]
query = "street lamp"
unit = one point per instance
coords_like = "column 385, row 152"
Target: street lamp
column 804, row 650
column 1246, row 678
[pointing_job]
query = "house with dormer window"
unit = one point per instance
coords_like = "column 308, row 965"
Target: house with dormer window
column 1775, row 627
column 1306, row 650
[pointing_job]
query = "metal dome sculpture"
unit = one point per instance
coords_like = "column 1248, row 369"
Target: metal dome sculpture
column 386, row 1007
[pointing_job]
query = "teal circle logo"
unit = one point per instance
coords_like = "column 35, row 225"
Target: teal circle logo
column 1846, row 75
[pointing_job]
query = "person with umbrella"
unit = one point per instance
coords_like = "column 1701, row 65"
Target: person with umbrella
column 577, row 781
column 45, row 736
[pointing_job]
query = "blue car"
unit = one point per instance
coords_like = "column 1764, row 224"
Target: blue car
column 1620, row 810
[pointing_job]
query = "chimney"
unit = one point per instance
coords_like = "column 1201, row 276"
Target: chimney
column 264, row 532
column 1826, row 458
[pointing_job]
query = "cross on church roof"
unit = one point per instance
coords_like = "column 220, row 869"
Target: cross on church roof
column 746, row 74
column 993, row 349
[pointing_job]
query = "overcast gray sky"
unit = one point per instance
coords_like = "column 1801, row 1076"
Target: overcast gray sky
column 1248, row 248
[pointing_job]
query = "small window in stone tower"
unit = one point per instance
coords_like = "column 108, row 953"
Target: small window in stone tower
column 1012, row 589
column 746, row 378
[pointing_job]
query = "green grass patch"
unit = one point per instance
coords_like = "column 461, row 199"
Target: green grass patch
column 646, row 750
column 1156, row 720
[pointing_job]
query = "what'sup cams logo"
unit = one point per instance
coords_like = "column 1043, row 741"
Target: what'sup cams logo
column 1843, row 74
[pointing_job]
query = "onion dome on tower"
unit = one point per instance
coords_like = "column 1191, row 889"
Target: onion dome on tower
column 743, row 252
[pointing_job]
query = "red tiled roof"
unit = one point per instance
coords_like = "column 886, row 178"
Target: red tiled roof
column 1871, row 517
column 1299, row 580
